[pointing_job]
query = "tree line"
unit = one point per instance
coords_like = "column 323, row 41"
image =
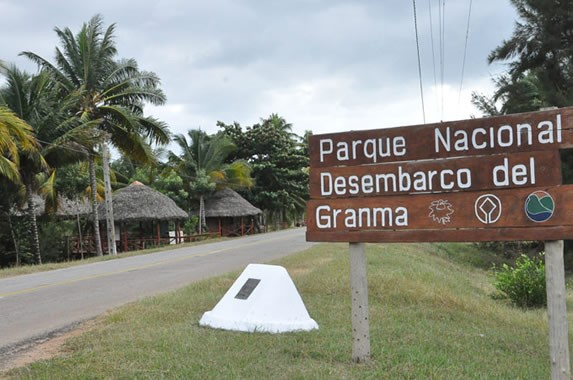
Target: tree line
column 55, row 123
column 56, row 126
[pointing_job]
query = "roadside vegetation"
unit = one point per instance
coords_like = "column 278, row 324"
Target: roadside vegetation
column 432, row 315
column 56, row 126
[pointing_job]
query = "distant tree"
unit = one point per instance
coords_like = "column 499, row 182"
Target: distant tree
column 512, row 95
column 542, row 45
column 202, row 166
column 158, row 175
column 279, row 159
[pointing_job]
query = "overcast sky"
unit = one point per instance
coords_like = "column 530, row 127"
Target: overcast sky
column 323, row 65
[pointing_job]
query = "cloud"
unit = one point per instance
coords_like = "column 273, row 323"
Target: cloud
column 324, row 65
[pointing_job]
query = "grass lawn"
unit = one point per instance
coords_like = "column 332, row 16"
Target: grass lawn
column 431, row 317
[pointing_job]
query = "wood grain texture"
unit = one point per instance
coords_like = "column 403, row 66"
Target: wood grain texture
column 461, row 235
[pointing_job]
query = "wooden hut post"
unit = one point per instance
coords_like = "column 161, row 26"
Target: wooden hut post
column 158, row 229
column 220, row 228
column 242, row 227
column 123, row 234
column 178, row 232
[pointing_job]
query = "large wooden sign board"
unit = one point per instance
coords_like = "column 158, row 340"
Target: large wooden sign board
column 484, row 179
column 490, row 179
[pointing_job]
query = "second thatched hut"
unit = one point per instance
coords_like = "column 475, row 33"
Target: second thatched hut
column 143, row 216
column 229, row 214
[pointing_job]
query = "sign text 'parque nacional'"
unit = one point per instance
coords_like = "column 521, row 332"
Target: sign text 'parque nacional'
column 487, row 179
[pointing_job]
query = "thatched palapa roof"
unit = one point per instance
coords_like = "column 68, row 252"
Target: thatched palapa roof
column 138, row 202
column 228, row 203
column 67, row 207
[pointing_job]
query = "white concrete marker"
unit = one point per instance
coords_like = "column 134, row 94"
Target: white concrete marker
column 262, row 299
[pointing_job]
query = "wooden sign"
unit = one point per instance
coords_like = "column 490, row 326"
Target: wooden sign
column 547, row 130
column 471, row 180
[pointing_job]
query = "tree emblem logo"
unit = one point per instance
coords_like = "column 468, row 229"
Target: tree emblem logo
column 488, row 208
column 441, row 211
column 539, row 206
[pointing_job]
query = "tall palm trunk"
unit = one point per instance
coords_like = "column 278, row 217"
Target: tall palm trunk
column 110, row 226
column 15, row 240
column 202, row 219
column 33, row 224
column 93, row 186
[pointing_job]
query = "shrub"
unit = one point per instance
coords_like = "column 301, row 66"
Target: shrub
column 523, row 284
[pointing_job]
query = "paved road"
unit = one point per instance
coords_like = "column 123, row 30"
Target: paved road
column 36, row 305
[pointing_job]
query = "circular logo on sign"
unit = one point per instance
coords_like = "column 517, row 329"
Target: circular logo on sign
column 488, row 208
column 539, row 206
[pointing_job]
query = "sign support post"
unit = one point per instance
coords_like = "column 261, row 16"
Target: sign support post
column 557, row 310
column 359, row 294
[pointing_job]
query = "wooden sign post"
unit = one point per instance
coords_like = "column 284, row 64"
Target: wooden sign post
column 490, row 179
column 557, row 310
column 359, row 295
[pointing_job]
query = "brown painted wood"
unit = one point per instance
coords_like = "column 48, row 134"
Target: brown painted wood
column 419, row 141
column 448, row 211
column 461, row 235
column 543, row 167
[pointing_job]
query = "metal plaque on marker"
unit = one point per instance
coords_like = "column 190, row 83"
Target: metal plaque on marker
column 247, row 288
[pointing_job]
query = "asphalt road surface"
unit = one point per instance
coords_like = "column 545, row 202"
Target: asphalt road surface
column 35, row 306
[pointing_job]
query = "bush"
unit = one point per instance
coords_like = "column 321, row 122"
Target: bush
column 523, row 284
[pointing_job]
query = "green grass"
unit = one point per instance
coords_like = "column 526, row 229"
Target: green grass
column 431, row 317
column 27, row 269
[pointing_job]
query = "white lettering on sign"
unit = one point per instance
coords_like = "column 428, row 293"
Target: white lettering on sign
column 327, row 217
column 398, row 181
column 459, row 140
column 372, row 149
column 521, row 174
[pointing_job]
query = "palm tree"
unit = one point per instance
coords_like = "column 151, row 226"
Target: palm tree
column 109, row 91
column 202, row 166
column 15, row 135
column 33, row 99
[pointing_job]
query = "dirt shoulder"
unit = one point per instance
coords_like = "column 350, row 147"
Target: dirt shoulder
column 41, row 348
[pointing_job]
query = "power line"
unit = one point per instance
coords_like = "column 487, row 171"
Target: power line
column 442, row 20
column 433, row 55
column 465, row 50
column 419, row 63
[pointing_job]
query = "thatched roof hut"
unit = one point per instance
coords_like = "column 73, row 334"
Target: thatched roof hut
column 226, row 212
column 139, row 203
column 227, row 203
